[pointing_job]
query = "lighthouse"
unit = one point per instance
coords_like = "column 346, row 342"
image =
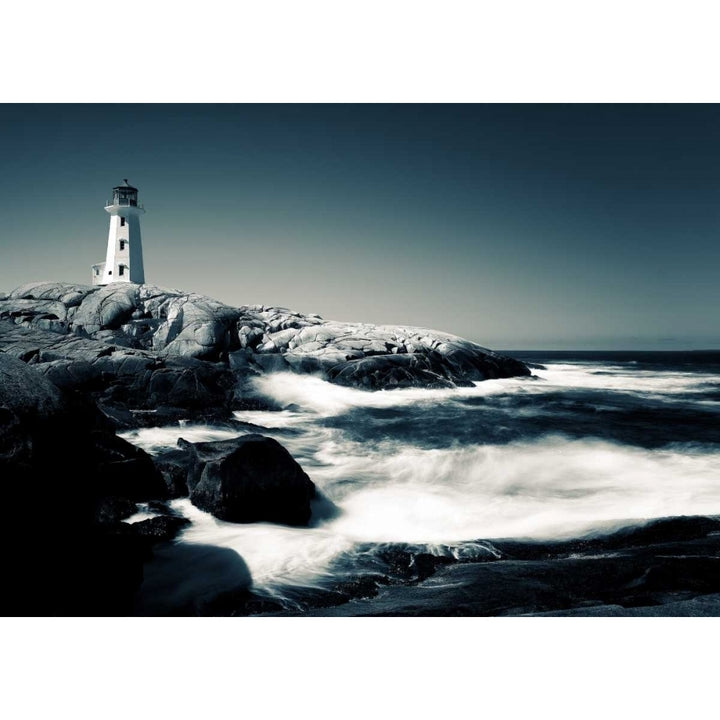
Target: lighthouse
column 124, row 258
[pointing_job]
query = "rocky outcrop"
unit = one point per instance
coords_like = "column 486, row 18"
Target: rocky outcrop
column 26, row 394
column 383, row 356
column 107, row 308
column 67, row 481
column 667, row 567
column 120, row 377
column 251, row 478
column 148, row 347
column 457, row 367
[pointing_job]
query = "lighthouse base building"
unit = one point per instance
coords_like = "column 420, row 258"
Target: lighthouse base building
column 124, row 257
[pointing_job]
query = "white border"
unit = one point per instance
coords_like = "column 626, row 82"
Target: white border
column 374, row 51
column 390, row 51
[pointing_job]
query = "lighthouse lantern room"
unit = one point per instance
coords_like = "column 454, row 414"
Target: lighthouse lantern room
column 124, row 259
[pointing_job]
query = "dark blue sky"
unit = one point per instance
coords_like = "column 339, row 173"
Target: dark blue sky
column 518, row 226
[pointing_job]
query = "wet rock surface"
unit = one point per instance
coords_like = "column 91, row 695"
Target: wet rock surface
column 251, row 478
column 668, row 567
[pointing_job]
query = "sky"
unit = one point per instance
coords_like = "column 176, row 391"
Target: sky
column 516, row 226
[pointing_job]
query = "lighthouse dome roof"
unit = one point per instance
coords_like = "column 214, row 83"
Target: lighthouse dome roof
column 125, row 186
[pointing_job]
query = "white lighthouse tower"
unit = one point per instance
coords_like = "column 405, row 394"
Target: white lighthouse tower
column 124, row 258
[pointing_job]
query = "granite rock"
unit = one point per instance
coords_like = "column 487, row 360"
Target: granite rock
column 124, row 329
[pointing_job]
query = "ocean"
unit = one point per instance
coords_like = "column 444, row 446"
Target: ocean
column 592, row 442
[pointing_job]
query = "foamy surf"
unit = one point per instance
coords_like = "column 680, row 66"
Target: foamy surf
column 552, row 489
column 313, row 394
column 394, row 485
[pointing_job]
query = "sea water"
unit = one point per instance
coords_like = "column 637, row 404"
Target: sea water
column 589, row 443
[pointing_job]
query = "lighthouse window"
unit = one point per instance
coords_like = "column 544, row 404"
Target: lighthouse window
column 122, row 221
column 121, row 269
column 122, row 244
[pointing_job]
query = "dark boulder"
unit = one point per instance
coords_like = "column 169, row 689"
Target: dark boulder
column 467, row 361
column 379, row 372
column 664, row 530
column 112, row 510
column 174, row 466
column 161, row 528
column 252, row 478
column 125, row 470
column 189, row 579
column 459, row 365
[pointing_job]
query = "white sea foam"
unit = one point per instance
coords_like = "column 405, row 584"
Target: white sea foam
column 271, row 419
column 392, row 491
column 156, row 439
column 275, row 554
column 551, row 488
column 321, row 397
column 143, row 512
column 622, row 378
